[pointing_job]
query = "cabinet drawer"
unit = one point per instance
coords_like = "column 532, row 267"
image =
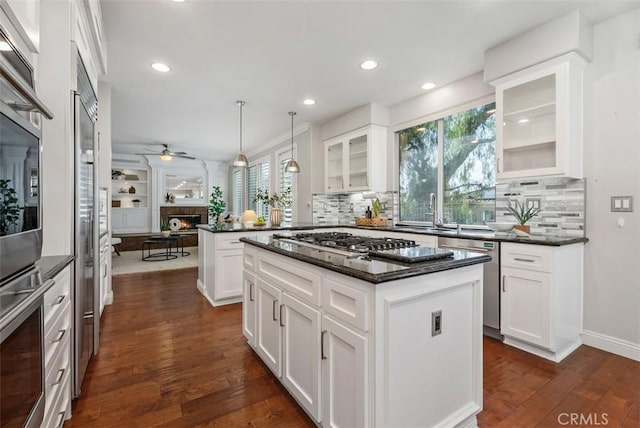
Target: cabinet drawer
column 523, row 256
column 57, row 296
column 59, row 410
column 57, row 372
column 249, row 259
column 226, row 242
column 294, row 277
column 57, row 334
column 345, row 303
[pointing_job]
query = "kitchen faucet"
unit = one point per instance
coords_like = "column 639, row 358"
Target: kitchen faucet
column 434, row 209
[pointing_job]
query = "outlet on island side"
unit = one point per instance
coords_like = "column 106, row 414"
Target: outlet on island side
column 436, row 323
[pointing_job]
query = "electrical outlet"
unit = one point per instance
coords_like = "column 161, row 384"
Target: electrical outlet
column 436, row 323
column 622, row 204
column 532, row 203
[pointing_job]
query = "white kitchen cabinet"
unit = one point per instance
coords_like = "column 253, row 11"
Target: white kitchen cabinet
column 539, row 120
column 130, row 220
column 345, row 389
column 249, row 307
column 327, row 336
column 220, row 265
column 57, row 347
column 268, row 332
column 541, row 298
column 357, row 161
column 105, row 255
column 25, row 17
column 300, row 350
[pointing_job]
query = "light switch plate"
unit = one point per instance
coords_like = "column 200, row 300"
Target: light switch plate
column 532, row 203
column 621, row 204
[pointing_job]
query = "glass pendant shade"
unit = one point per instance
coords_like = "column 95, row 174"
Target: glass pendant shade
column 165, row 158
column 240, row 160
column 292, row 165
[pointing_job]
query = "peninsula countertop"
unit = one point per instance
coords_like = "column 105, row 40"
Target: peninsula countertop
column 366, row 268
column 478, row 234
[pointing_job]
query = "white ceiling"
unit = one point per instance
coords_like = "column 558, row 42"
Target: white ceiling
column 275, row 54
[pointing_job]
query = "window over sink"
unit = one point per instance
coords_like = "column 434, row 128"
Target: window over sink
column 452, row 157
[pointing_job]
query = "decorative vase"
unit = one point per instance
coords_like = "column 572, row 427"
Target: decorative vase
column 523, row 227
column 165, row 233
column 275, row 217
column 136, row 204
column 132, row 190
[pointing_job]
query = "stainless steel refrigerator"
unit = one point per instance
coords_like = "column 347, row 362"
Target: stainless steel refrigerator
column 86, row 317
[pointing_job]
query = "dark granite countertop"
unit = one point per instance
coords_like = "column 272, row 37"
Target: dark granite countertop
column 485, row 235
column 52, row 265
column 369, row 269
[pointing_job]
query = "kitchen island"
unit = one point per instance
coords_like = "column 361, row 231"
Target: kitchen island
column 367, row 342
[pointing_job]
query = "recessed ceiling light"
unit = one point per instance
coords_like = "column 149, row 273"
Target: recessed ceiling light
column 162, row 68
column 525, row 120
column 309, row 102
column 369, row 64
column 178, row 1
column 428, row 85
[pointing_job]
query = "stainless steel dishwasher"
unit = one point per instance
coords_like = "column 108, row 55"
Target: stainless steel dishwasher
column 491, row 278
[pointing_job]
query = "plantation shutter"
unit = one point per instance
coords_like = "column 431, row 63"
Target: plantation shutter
column 238, row 191
column 286, row 180
column 258, row 178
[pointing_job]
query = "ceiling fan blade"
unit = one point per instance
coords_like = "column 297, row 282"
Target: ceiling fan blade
column 148, row 154
column 183, row 156
column 179, row 153
column 149, row 150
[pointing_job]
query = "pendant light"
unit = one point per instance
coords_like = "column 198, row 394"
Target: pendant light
column 240, row 160
column 292, row 165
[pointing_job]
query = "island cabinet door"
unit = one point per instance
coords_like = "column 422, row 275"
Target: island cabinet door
column 526, row 306
column 269, row 333
column 345, row 387
column 249, row 308
column 228, row 282
column 301, row 352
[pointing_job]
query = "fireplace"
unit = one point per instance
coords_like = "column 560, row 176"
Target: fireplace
column 188, row 221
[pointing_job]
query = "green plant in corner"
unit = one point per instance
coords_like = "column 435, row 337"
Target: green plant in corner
column 9, row 208
column 216, row 204
column 522, row 214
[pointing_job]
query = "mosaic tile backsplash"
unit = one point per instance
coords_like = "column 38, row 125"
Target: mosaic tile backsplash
column 343, row 209
column 562, row 201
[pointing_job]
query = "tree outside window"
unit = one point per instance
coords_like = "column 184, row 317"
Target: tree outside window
column 466, row 168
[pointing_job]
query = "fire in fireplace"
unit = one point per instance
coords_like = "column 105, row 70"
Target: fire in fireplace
column 187, row 221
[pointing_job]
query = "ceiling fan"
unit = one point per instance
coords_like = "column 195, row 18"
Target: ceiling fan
column 166, row 154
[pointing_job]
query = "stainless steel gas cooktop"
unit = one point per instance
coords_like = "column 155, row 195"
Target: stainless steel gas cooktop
column 346, row 244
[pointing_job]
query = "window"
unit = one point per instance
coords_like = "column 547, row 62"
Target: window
column 285, row 179
column 258, row 178
column 237, row 190
column 460, row 170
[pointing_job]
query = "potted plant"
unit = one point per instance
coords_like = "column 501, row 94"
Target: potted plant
column 136, row 202
column 165, row 228
column 9, row 208
column 276, row 202
column 216, row 205
column 116, row 174
column 522, row 214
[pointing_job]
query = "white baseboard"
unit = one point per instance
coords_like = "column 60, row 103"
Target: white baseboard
column 108, row 299
column 611, row 344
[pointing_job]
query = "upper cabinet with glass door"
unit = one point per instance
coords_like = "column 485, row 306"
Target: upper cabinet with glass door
column 356, row 161
column 540, row 110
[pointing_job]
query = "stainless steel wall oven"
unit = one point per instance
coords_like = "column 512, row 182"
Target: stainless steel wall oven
column 20, row 160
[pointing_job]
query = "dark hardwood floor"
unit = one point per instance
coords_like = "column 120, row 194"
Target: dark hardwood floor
column 167, row 358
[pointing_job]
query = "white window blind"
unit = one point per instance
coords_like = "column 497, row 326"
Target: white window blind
column 286, row 180
column 258, row 178
column 237, row 191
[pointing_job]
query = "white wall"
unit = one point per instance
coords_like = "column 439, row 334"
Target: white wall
column 612, row 167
